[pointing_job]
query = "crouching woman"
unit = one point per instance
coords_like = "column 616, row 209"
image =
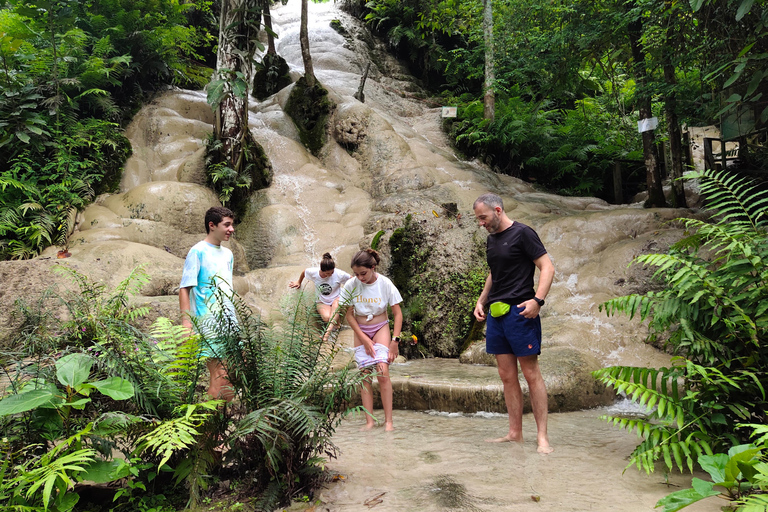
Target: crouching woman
column 368, row 294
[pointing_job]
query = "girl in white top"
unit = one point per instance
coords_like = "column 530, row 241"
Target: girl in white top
column 328, row 282
column 369, row 293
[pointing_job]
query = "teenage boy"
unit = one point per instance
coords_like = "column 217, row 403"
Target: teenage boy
column 209, row 266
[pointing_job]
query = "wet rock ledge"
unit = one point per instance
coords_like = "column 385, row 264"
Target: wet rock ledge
column 447, row 385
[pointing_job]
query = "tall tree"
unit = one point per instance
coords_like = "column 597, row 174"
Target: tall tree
column 309, row 72
column 650, row 152
column 489, row 96
column 268, row 27
column 675, row 137
column 238, row 29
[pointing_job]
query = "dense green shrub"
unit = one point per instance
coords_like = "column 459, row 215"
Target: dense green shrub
column 741, row 474
column 38, row 197
column 89, row 385
column 291, row 397
column 566, row 150
column 70, row 73
column 713, row 312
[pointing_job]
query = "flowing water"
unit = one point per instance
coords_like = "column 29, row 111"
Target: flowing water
column 439, row 462
column 336, row 202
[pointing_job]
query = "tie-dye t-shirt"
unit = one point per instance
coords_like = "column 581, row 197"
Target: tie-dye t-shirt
column 206, row 268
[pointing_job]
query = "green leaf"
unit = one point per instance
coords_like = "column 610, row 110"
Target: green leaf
column 115, row 388
column 239, row 88
column 703, row 487
column 22, row 402
column 748, row 469
column 102, row 472
column 23, row 137
column 67, row 502
column 216, row 91
column 79, row 404
column 73, row 369
column 744, row 8
column 715, row 466
column 681, row 499
column 696, row 5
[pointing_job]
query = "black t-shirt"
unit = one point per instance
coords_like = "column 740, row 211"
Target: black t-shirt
column 510, row 256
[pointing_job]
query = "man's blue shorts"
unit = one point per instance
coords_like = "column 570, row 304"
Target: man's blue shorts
column 513, row 334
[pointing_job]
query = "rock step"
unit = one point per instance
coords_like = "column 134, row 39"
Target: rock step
column 447, row 385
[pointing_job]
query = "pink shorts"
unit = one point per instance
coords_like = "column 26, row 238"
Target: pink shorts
column 371, row 330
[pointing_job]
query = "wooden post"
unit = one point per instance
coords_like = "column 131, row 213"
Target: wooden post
column 360, row 95
column 687, row 156
column 723, row 155
column 618, row 195
column 709, row 158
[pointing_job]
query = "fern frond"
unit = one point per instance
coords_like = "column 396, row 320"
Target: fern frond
column 177, row 434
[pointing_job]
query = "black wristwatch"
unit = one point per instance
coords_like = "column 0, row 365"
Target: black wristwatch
column 539, row 301
column 396, row 339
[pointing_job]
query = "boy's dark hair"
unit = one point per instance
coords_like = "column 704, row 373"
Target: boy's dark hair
column 327, row 263
column 216, row 214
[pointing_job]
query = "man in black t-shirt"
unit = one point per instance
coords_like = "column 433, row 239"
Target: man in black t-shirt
column 513, row 334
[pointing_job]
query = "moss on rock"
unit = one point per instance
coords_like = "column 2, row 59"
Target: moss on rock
column 271, row 75
column 310, row 107
column 439, row 267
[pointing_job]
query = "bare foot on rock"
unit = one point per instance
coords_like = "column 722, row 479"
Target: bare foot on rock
column 368, row 426
column 506, row 439
column 389, row 427
column 544, row 447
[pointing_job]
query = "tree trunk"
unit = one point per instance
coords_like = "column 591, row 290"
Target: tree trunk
column 489, row 98
column 232, row 115
column 309, row 72
column 650, row 152
column 675, row 146
column 268, row 25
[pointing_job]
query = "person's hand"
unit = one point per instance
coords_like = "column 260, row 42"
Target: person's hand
column 368, row 344
column 531, row 308
column 479, row 312
column 293, row 284
column 394, row 351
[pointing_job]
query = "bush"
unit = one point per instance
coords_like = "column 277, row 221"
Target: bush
column 75, row 402
column 713, row 311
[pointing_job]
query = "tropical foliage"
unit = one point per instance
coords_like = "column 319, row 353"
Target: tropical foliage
column 291, row 396
column 712, row 311
column 568, row 85
column 92, row 385
column 71, row 73
column 741, row 474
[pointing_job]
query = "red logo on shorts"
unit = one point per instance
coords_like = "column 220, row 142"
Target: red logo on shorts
column 530, row 346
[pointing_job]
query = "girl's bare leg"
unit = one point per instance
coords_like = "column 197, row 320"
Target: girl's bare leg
column 366, row 393
column 325, row 314
column 330, row 316
column 385, row 383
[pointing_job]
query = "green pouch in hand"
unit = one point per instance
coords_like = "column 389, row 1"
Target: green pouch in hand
column 499, row 309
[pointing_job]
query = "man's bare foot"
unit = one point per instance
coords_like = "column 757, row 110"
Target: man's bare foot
column 389, row 427
column 506, row 439
column 544, row 447
column 368, row 426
